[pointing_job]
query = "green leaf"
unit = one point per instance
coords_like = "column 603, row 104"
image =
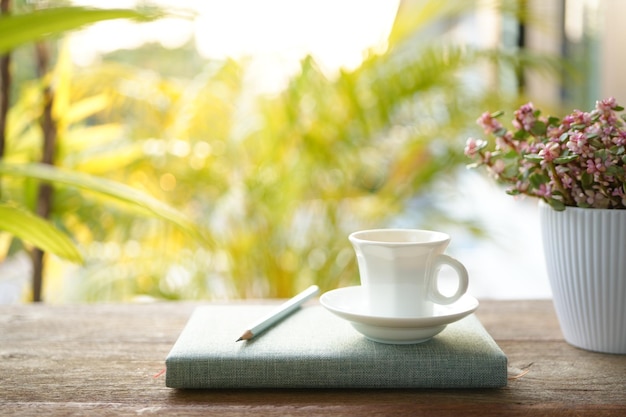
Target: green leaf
column 521, row 135
column 539, row 128
column 37, row 231
column 102, row 186
column 553, row 121
column 586, row 180
column 500, row 132
column 556, row 204
column 565, row 159
column 511, row 155
column 601, row 153
column 537, row 179
column 615, row 170
column 533, row 157
column 19, row 29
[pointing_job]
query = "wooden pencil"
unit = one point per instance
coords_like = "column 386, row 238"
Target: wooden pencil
column 279, row 313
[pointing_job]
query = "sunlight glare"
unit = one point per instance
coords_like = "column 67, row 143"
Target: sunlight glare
column 338, row 34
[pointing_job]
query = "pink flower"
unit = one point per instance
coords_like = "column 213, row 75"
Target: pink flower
column 619, row 193
column 525, row 117
column 579, row 160
column 489, row 123
column 607, row 105
column 498, row 167
column 544, row 191
column 577, row 143
column 472, row 146
column 606, row 109
column 550, row 151
column 595, row 166
column 615, row 137
column 576, row 118
column 555, row 132
column 506, row 141
column 567, row 181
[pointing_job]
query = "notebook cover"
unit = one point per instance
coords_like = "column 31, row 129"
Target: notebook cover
column 312, row 348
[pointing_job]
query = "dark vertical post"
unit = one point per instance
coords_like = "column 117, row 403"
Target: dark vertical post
column 5, row 86
column 521, row 43
column 45, row 195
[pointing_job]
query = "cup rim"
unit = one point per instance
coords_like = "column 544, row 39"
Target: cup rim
column 360, row 236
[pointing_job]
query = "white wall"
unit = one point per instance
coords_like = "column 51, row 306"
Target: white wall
column 613, row 52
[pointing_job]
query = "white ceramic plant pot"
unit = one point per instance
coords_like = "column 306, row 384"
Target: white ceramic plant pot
column 585, row 251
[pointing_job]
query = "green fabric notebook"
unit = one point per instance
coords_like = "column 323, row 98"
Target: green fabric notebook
column 312, row 348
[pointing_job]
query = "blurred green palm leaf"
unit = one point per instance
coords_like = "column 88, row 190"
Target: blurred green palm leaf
column 102, row 186
column 38, row 232
column 16, row 30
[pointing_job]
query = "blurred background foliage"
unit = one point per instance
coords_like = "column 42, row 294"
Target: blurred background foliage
column 276, row 181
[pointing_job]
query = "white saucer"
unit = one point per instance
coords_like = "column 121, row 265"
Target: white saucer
column 349, row 304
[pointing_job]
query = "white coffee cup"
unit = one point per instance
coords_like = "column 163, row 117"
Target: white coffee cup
column 399, row 270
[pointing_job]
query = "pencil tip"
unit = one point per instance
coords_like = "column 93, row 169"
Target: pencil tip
column 247, row 335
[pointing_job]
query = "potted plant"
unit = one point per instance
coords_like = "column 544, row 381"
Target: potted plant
column 576, row 166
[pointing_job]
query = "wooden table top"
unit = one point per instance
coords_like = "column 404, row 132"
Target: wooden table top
column 108, row 360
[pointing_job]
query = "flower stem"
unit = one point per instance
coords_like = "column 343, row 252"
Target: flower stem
column 557, row 180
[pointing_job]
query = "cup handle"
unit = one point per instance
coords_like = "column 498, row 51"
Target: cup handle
column 462, row 275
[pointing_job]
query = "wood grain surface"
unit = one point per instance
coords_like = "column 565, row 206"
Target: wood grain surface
column 108, row 360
